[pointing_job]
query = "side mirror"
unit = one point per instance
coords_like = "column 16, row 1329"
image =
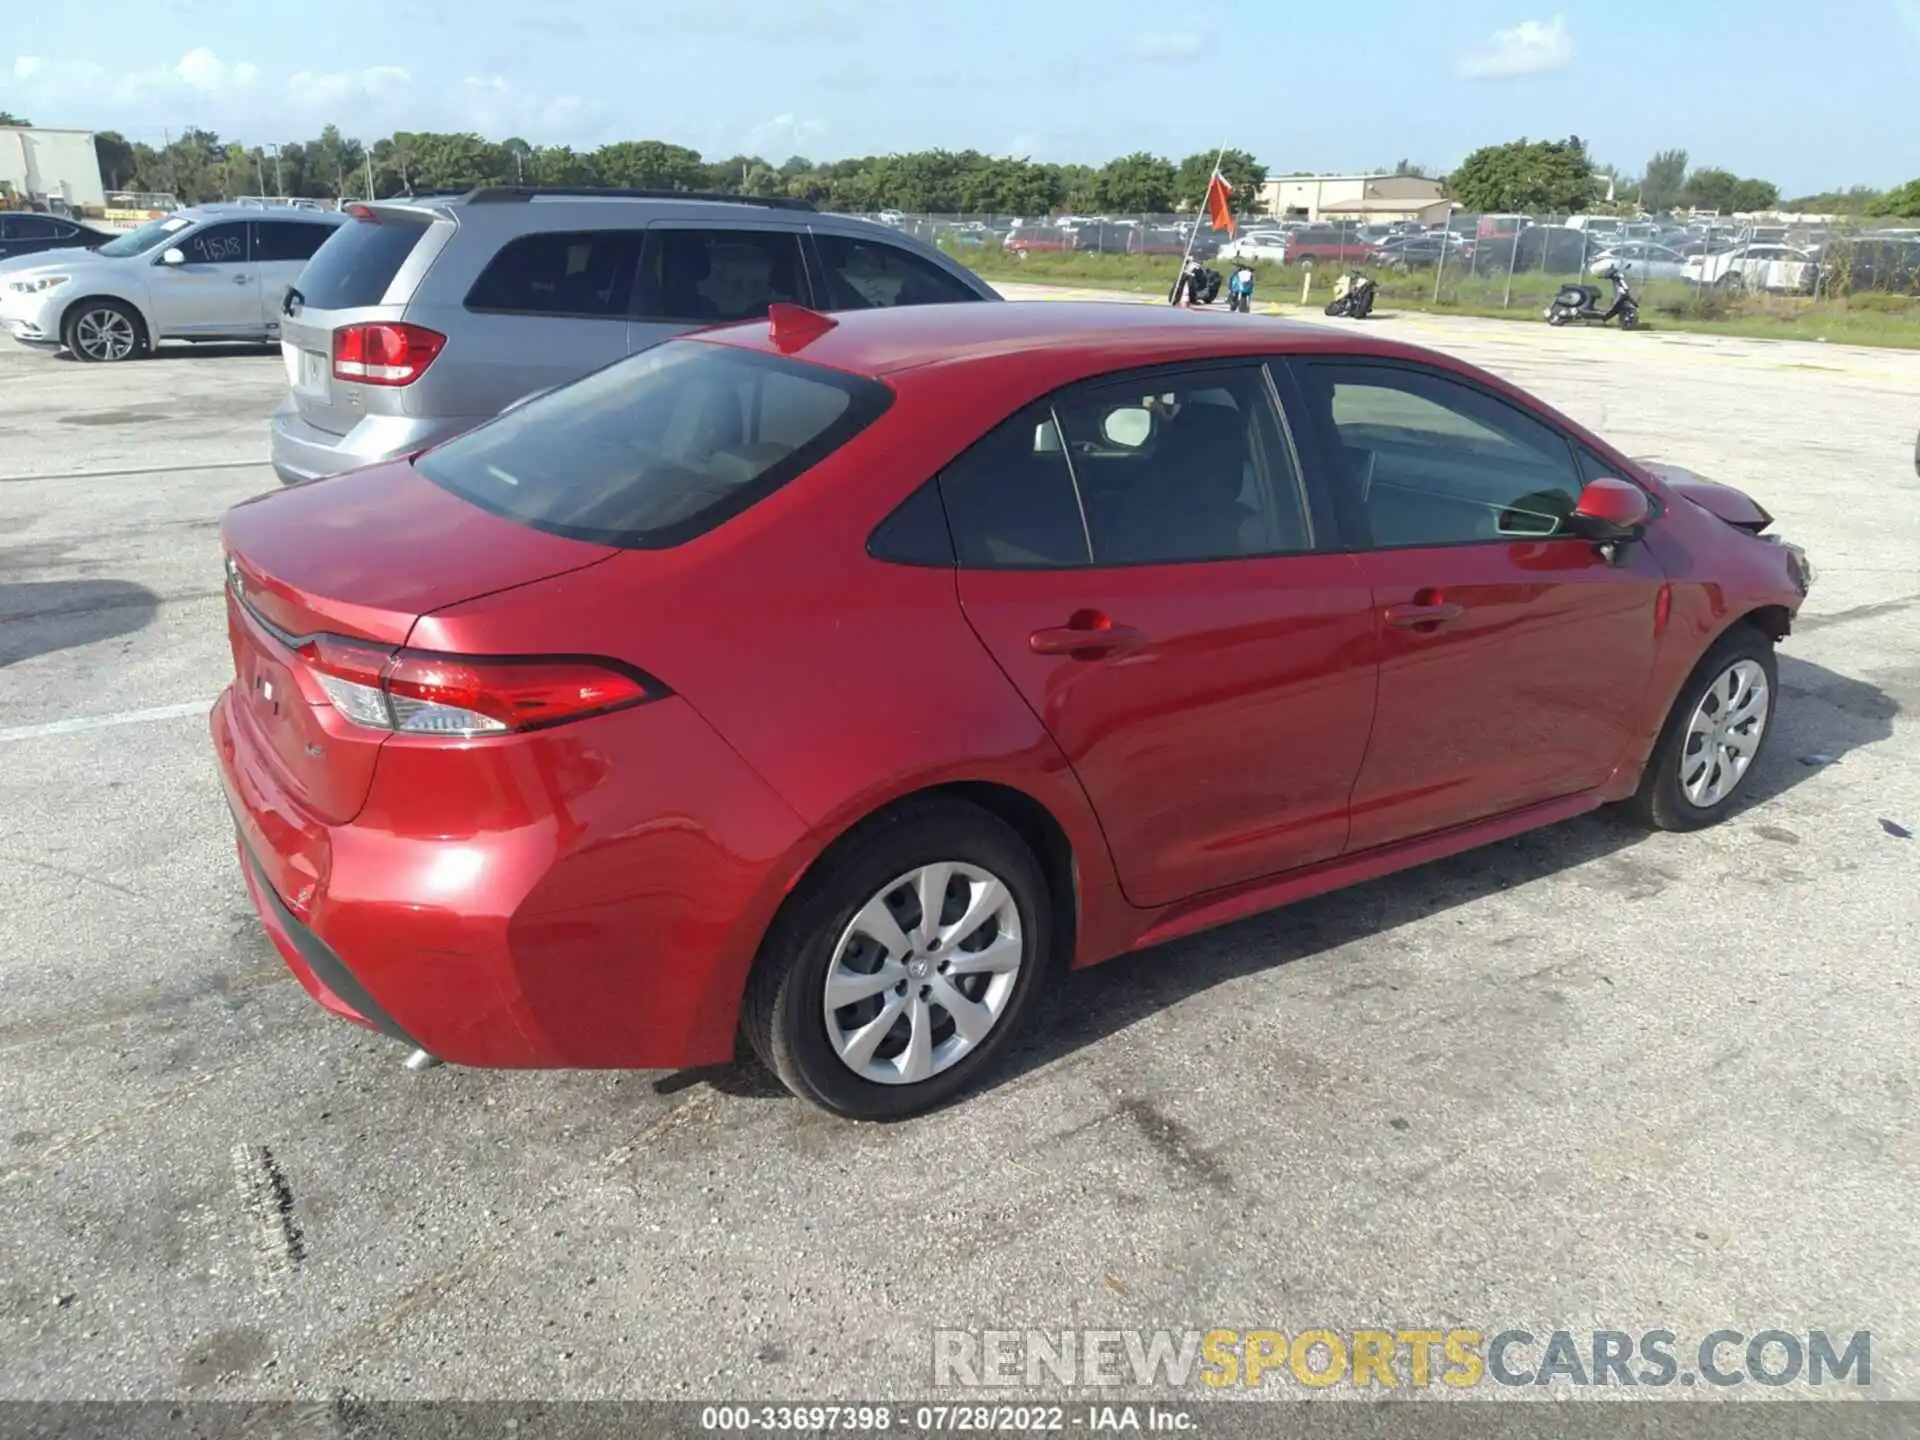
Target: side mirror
column 173, row 256
column 1610, row 510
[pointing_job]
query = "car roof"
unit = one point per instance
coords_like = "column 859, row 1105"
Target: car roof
column 217, row 210
column 1079, row 337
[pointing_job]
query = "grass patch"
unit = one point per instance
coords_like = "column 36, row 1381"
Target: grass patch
column 1867, row 319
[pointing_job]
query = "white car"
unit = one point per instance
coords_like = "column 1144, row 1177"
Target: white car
column 1263, row 245
column 210, row 272
column 1779, row 268
column 1641, row 260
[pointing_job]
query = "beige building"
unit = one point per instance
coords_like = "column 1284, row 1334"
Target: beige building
column 1354, row 197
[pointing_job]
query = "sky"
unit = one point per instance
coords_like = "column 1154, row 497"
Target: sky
column 1807, row 97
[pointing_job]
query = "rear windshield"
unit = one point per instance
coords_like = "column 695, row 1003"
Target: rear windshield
column 360, row 259
column 659, row 447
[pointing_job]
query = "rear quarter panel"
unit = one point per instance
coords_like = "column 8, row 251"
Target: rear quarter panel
column 843, row 681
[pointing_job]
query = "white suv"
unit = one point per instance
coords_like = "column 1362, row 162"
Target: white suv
column 211, row 272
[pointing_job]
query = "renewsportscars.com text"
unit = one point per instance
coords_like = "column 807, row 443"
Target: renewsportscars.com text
column 1394, row 1359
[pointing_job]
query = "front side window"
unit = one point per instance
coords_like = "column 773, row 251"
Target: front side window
column 216, row 245
column 1429, row 460
column 870, row 274
column 658, row 448
column 706, row 277
column 585, row 273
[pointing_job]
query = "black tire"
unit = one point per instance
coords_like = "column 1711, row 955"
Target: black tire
column 1661, row 802
column 89, row 321
column 1336, row 307
column 784, row 1013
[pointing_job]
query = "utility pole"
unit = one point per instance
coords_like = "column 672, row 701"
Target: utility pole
column 279, row 190
column 367, row 155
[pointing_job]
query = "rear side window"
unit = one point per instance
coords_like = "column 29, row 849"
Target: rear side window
column 34, row 227
column 707, row 276
column 287, row 240
column 870, row 274
column 1011, row 501
column 359, row 260
column 585, row 273
column 660, row 447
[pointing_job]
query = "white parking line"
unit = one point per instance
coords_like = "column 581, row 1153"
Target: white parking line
column 102, row 722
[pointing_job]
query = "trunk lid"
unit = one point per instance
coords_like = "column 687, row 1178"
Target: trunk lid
column 365, row 273
column 362, row 557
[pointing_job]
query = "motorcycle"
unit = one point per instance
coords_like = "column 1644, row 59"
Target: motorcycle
column 1582, row 302
column 1352, row 296
column 1197, row 285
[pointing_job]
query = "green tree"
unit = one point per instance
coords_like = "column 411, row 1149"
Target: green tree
column 1854, row 200
column 1722, row 190
column 7, row 117
column 118, row 159
column 1526, row 177
column 1664, row 181
column 1139, row 183
column 649, row 165
column 1244, row 173
column 336, row 164
column 1902, row 202
column 560, row 165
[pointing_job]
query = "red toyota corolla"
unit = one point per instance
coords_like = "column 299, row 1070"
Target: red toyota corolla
column 828, row 682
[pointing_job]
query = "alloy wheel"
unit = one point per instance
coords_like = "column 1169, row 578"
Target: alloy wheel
column 923, row 972
column 104, row 335
column 1723, row 736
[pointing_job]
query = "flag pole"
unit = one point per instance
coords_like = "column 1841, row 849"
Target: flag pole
column 1188, row 255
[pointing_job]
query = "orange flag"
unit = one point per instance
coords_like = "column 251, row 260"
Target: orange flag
column 1217, row 210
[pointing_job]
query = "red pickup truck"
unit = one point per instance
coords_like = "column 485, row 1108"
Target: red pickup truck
column 1329, row 245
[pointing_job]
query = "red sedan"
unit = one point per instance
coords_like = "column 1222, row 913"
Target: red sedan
column 830, row 681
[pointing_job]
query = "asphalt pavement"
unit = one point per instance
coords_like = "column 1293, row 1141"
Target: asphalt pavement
column 1586, row 1079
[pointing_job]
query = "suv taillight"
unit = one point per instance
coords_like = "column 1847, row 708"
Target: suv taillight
column 384, row 353
column 418, row 692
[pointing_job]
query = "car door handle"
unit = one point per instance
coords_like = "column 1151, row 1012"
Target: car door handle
column 1423, row 615
column 1087, row 636
column 241, row 279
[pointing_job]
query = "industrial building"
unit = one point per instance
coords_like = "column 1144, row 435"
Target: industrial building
column 44, row 166
column 1354, row 197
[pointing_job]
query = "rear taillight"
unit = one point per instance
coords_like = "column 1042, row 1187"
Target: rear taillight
column 384, row 352
column 416, row 692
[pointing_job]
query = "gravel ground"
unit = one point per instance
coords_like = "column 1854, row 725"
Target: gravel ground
column 1588, row 1079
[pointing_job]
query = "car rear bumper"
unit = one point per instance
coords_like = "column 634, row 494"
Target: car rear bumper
column 301, row 451
column 565, row 898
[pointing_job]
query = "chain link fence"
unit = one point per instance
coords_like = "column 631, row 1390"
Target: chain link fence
column 1705, row 268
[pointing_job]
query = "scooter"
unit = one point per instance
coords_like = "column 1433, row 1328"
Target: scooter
column 1582, row 302
column 1352, row 296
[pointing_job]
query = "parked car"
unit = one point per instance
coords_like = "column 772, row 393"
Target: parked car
column 210, row 272
column 1268, row 246
column 1642, row 261
column 25, row 233
column 1777, row 268
column 557, row 745
column 1329, row 245
column 1423, row 250
column 420, row 319
column 1039, row 240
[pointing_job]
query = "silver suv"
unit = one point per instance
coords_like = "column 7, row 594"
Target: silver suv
column 210, row 272
column 423, row 317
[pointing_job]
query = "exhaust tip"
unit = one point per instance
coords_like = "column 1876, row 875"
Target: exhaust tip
column 421, row 1060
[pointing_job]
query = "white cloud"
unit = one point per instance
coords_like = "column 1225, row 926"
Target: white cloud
column 782, row 136
column 1165, row 47
column 1532, row 47
column 241, row 100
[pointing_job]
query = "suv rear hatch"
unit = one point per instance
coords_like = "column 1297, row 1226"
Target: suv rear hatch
column 346, row 314
column 342, row 570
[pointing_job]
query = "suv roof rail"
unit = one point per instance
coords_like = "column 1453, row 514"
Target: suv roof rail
column 506, row 194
